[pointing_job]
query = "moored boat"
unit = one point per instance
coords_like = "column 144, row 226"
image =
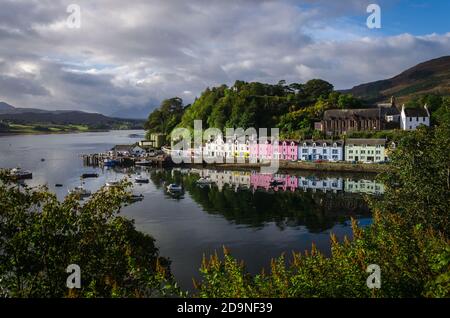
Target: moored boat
column 89, row 175
column 81, row 191
column 110, row 184
column 143, row 162
column 18, row 173
column 173, row 187
column 141, row 179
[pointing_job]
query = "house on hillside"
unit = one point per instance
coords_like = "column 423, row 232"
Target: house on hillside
column 411, row 118
column 342, row 121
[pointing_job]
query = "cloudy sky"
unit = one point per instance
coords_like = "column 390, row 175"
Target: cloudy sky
column 128, row 55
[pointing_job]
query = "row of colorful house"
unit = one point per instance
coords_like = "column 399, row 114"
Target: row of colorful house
column 351, row 150
column 284, row 182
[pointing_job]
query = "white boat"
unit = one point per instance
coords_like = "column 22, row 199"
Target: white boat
column 174, row 188
column 111, row 184
column 137, row 197
column 204, row 181
column 81, row 191
column 143, row 162
column 141, row 179
column 18, row 173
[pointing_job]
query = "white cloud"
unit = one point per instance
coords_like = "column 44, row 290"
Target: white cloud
column 134, row 53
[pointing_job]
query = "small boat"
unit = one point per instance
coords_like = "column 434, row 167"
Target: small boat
column 143, row 162
column 173, row 187
column 109, row 162
column 111, row 184
column 18, row 173
column 58, row 185
column 141, row 179
column 136, row 197
column 42, row 159
column 81, row 191
column 89, row 175
column 204, row 181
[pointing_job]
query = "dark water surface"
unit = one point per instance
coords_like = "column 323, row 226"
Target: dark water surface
column 240, row 210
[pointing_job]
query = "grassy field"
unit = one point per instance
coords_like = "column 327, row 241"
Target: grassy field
column 44, row 129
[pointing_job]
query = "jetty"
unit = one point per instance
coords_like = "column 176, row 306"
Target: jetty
column 105, row 159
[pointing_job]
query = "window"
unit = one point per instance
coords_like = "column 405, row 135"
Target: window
column 363, row 151
column 314, row 150
column 334, row 151
column 378, row 152
column 350, row 157
column 410, row 118
column 304, row 150
column 350, row 151
column 324, row 151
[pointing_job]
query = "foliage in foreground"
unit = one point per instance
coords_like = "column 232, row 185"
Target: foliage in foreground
column 409, row 239
column 40, row 236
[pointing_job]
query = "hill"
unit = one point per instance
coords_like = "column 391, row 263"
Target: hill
column 46, row 120
column 430, row 77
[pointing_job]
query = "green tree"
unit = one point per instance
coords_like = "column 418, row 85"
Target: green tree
column 166, row 117
column 41, row 236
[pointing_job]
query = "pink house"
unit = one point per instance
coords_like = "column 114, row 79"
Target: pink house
column 288, row 150
column 265, row 150
column 281, row 150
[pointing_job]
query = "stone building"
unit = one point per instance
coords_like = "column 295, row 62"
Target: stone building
column 341, row 121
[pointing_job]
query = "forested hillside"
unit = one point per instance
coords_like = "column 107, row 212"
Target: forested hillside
column 291, row 107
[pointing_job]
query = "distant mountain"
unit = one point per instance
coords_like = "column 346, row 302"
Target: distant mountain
column 15, row 115
column 432, row 76
column 4, row 107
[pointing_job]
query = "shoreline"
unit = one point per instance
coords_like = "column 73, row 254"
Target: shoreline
column 301, row 166
column 26, row 133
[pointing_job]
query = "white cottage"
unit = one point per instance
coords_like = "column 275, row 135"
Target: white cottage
column 411, row 118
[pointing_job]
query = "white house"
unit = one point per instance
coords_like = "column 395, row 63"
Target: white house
column 215, row 149
column 411, row 118
column 365, row 150
column 326, row 150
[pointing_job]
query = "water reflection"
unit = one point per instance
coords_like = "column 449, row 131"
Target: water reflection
column 253, row 199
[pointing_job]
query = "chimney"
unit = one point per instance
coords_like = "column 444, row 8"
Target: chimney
column 393, row 101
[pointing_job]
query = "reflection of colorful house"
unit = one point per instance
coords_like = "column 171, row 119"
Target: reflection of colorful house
column 363, row 186
column 326, row 150
column 260, row 180
column 328, row 184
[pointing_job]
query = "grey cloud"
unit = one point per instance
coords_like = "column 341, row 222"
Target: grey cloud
column 131, row 54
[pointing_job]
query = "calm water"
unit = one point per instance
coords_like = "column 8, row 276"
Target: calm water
column 240, row 210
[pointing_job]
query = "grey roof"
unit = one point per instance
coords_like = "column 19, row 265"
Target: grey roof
column 365, row 141
column 349, row 113
column 319, row 143
column 390, row 111
column 416, row 112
